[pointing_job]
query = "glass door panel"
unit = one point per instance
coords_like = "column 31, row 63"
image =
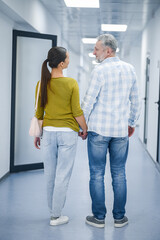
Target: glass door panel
column 29, row 52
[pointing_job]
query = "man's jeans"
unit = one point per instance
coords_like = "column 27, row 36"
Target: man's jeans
column 59, row 149
column 118, row 151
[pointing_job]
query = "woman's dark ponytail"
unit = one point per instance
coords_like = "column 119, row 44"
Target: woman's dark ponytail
column 55, row 56
column 45, row 78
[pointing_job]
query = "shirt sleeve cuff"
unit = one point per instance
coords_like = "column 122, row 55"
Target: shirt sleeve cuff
column 131, row 123
column 78, row 114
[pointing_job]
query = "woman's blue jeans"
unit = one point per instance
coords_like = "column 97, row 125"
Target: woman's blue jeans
column 118, row 151
column 59, row 150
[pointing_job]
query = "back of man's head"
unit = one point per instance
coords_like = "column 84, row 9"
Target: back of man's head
column 108, row 40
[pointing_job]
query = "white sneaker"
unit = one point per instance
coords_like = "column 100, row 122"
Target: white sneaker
column 58, row 221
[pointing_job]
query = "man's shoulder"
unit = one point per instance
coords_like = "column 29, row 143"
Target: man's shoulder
column 98, row 68
column 126, row 64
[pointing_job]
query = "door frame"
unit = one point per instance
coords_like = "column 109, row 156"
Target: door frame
column 158, row 129
column 17, row 33
column 146, row 99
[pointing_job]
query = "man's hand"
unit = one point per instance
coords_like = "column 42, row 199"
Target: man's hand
column 130, row 131
column 37, row 142
column 83, row 135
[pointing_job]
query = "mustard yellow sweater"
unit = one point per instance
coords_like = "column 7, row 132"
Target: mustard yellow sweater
column 63, row 104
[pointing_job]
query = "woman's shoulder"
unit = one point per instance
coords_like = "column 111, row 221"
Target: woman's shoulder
column 71, row 81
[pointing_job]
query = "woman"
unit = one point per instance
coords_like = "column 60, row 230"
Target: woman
column 59, row 107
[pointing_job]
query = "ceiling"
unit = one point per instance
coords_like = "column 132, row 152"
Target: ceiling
column 77, row 23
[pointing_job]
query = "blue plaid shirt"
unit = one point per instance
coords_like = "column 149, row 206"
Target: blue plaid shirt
column 112, row 101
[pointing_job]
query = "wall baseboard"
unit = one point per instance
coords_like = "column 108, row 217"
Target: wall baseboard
column 157, row 165
column 5, row 176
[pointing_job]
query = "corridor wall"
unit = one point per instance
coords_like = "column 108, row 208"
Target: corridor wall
column 5, row 91
column 148, row 47
column 150, row 41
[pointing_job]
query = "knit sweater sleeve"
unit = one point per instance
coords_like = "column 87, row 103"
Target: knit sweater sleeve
column 75, row 104
column 40, row 110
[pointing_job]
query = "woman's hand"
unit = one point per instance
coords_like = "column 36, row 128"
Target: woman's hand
column 83, row 135
column 82, row 123
column 37, row 142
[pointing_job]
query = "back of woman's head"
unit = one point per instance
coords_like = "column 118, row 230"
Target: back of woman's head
column 55, row 56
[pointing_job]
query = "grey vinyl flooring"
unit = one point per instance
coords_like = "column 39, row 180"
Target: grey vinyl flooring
column 24, row 213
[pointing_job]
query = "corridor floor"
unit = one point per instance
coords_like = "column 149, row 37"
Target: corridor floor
column 24, row 213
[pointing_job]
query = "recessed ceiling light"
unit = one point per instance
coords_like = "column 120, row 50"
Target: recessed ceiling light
column 94, row 62
column 91, row 55
column 114, row 27
column 82, row 3
column 89, row 40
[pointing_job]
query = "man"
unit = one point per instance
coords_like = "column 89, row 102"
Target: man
column 111, row 108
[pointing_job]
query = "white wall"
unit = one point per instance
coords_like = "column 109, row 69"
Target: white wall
column 5, row 91
column 149, row 47
column 34, row 13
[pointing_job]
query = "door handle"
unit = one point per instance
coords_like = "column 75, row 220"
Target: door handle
column 157, row 102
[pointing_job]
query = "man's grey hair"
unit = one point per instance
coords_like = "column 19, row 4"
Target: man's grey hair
column 108, row 40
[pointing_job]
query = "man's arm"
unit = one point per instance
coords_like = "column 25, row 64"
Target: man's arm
column 91, row 94
column 82, row 123
column 135, row 105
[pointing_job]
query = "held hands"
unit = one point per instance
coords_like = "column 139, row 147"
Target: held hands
column 82, row 123
column 83, row 135
column 130, row 131
column 37, row 142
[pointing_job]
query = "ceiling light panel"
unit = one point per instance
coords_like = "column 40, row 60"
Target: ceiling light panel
column 114, row 27
column 82, row 3
column 94, row 62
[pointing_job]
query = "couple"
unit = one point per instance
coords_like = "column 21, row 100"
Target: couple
column 110, row 108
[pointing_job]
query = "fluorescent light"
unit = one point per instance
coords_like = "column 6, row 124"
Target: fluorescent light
column 89, row 40
column 94, row 62
column 82, row 3
column 114, row 27
column 91, row 55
